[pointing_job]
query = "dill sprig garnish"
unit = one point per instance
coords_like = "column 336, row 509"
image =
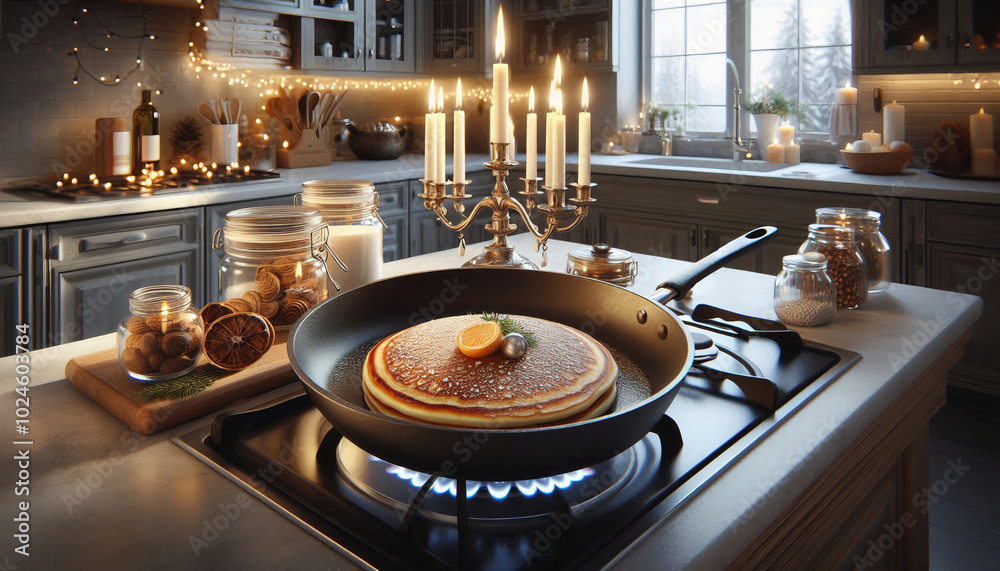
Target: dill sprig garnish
column 510, row 325
column 180, row 388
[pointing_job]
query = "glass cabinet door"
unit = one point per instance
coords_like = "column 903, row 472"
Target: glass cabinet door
column 904, row 32
column 457, row 35
column 978, row 31
column 332, row 36
column 390, row 36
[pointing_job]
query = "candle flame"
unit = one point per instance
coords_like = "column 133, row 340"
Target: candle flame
column 848, row 148
column 500, row 36
column 586, row 96
column 848, row 84
column 557, row 76
column 440, row 106
column 164, row 313
column 298, row 270
column 458, row 95
column 982, row 111
column 559, row 102
column 430, row 98
column 922, row 39
column 552, row 96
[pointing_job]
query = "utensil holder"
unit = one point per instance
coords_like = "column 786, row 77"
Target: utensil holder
column 309, row 151
column 225, row 150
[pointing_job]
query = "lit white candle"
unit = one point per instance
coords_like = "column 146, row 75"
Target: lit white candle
column 559, row 141
column 459, row 144
column 792, row 153
column 430, row 137
column 786, row 133
column 531, row 138
column 847, row 95
column 500, row 89
column 921, row 44
column 583, row 145
column 981, row 130
column 893, row 123
column 984, row 162
column 441, row 154
column 550, row 130
column 775, row 153
column 874, row 139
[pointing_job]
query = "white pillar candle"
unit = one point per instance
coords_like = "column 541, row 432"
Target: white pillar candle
column 984, row 162
column 786, row 134
column 981, row 130
column 874, row 139
column 847, row 95
column 550, row 132
column 792, row 154
column 583, row 144
column 442, row 136
column 531, row 139
column 500, row 88
column 121, row 152
column 430, row 137
column 775, row 153
column 893, row 123
column 559, row 141
column 921, row 44
column 458, row 145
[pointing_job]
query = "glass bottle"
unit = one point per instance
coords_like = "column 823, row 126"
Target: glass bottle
column 874, row 248
column 804, row 292
column 274, row 263
column 161, row 337
column 844, row 262
column 350, row 208
column 145, row 135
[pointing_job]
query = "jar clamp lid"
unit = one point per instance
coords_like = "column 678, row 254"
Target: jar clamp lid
column 603, row 262
column 346, row 197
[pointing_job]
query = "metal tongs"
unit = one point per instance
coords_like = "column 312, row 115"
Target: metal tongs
column 727, row 321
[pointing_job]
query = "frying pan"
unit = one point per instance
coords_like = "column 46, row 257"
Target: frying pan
column 327, row 347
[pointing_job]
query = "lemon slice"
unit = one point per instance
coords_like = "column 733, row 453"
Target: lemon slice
column 480, row 339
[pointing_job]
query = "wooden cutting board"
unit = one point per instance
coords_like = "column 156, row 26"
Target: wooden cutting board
column 101, row 377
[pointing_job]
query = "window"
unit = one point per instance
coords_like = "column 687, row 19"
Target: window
column 801, row 48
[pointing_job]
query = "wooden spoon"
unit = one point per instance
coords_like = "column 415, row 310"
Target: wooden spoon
column 207, row 112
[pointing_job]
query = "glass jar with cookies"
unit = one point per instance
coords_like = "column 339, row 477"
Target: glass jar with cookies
column 162, row 335
column 274, row 263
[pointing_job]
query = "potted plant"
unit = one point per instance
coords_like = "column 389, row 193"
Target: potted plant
column 768, row 107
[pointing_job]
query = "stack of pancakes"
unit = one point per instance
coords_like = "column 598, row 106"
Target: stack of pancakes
column 419, row 374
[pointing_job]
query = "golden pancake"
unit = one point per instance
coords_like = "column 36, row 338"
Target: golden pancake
column 420, row 374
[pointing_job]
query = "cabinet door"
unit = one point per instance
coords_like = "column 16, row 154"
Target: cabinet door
column 675, row 239
column 92, row 301
column 978, row 32
column 10, row 312
column 215, row 219
column 765, row 259
column 389, row 39
column 332, row 44
column 394, row 239
column 459, row 35
column 275, row 6
column 972, row 270
column 896, row 28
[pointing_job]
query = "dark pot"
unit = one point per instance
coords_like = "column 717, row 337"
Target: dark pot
column 378, row 141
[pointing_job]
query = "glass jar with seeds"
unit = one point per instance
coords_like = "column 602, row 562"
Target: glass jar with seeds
column 804, row 292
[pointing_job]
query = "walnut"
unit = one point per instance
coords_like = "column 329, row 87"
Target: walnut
column 134, row 361
column 178, row 342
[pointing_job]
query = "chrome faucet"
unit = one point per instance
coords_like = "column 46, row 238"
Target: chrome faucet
column 741, row 150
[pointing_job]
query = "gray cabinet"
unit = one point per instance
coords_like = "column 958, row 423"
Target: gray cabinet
column 393, row 201
column 663, row 237
column 95, row 264
column 458, row 35
column 11, row 283
column 364, row 35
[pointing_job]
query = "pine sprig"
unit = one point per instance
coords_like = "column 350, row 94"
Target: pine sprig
column 180, row 388
column 510, row 325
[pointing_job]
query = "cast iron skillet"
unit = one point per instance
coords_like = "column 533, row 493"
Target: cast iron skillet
column 327, row 347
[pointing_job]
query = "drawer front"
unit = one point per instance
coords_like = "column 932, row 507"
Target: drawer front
column 10, row 252
column 392, row 198
column 964, row 224
column 105, row 240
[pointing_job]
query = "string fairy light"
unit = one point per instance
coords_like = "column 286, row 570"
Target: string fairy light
column 88, row 21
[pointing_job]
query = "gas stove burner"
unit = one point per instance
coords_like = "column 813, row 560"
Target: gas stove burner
column 400, row 488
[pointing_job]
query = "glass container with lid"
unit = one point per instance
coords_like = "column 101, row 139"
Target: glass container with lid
column 275, row 262
column 874, row 248
column 844, row 262
column 604, row 263
column 350, row 209
column 161, row 337
column 804, row 292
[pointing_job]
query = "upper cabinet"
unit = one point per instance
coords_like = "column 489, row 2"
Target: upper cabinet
column 357, row 35
column 458, row 35
column 579, row 31
column 929, row 35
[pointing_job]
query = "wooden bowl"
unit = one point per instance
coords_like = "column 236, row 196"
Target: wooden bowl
column 889, row 162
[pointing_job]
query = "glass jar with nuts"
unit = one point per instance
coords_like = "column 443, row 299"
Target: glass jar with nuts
column 161, row 338
column 874, row 248
column 844, row 262
column 274, row 263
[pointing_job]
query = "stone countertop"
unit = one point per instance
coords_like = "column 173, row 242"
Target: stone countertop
column 19, row 209
column 104, row 495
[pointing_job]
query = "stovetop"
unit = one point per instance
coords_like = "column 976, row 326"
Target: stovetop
column 285, row 452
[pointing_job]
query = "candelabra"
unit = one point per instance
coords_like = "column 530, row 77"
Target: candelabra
column 559, row 216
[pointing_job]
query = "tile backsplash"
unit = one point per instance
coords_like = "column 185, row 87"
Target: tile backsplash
column 930, row 99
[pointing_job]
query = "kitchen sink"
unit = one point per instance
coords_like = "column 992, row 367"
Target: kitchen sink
column 711, row 163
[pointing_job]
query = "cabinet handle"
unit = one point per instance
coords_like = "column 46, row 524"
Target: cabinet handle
column 134, row 238
column 694, row 236
column 708, row 199
column 357, row 52
column 371, row 52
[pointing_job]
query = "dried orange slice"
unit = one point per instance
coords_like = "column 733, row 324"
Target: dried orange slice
column 212, row 311
column 480, row 339
column 238, row 340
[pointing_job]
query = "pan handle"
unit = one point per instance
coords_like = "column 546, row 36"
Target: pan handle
column 678, row 285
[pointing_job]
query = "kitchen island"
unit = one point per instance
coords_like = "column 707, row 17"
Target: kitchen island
column 101, row 496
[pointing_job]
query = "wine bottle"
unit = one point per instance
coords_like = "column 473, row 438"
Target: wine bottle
column 145, row 135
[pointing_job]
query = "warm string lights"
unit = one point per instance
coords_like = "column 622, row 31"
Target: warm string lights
column 90, row 22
